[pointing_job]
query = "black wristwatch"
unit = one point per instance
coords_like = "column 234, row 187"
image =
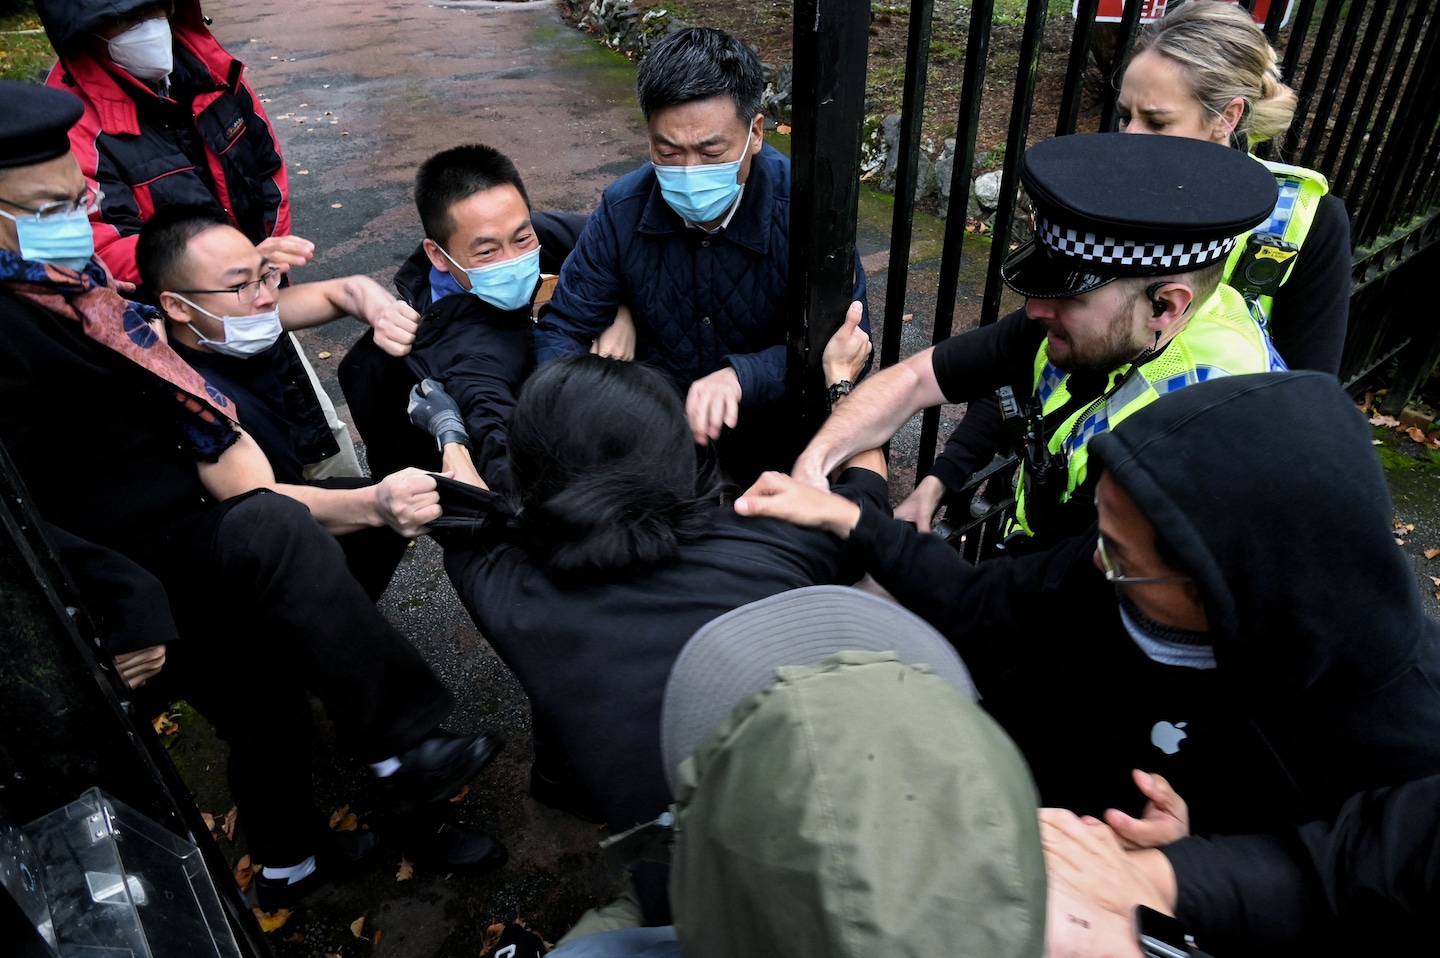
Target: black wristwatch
column 1160, row 935
column 837, row 390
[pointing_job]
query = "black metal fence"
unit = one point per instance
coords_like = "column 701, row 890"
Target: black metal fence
column 1368, row 76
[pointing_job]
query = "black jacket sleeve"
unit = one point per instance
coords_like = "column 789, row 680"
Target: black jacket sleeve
column 978, row 436
column 997, row 614
column 481, row 360
column 1312, row 310
column 1369, row 877
column 128, row 604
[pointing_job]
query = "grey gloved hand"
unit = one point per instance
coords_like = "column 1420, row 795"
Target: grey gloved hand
column 432, row 409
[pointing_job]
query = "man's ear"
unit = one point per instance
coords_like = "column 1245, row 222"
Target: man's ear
column 1169, row 303
column 437, row 258
column 173, row 309
column 757, row 133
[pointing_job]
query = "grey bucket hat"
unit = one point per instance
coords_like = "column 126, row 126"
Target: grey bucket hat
column 863, row 805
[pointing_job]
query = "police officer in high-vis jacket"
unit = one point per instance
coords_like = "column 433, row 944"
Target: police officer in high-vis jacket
column 1123, row 304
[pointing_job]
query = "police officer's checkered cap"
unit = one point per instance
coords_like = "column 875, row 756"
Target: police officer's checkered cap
column 1138, row 205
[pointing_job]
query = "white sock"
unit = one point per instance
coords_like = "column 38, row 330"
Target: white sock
column 386, row 768
column 294, row 873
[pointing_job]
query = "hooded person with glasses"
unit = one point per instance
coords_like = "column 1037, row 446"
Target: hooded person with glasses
column 1244, row 626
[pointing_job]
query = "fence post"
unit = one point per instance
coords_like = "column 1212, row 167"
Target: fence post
column 831, row 43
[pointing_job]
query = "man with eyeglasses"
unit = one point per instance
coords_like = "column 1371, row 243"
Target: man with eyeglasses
column 123, row 445
column 1238, row 621
column 226, row 315
column 169, row 121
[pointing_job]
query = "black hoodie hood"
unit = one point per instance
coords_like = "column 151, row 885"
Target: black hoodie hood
column 70, row 23
column 1269, row 490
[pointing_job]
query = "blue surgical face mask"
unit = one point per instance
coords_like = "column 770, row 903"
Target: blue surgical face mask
column 509, row 284
column 701, row 193
column 244, row 335
column 63, row 239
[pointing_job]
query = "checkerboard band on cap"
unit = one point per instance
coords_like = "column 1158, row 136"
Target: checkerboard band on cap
column 1110, row 251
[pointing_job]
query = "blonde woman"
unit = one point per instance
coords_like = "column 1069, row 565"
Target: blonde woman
column 1207, row 72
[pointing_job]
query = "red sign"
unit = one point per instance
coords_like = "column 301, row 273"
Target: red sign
column 1152, row 10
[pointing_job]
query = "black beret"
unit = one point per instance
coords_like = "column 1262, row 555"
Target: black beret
column 1109, row 205
column 35, row 124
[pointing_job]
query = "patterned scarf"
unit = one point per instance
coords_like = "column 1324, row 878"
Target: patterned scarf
column 86, row 298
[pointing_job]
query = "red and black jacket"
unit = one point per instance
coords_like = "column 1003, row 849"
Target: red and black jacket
column 209, row 142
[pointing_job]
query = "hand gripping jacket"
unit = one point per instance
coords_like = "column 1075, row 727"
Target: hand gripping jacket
column 1222, row 339
column 1301, row 190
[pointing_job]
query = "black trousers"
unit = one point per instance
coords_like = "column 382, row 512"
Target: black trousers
column 268, row 612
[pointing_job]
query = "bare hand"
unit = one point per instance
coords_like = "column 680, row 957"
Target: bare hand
column 1166, row 817
column 777, row 496
column 1087, row 856
column 921, row 505
column 618, row 340
column 1075, row 927
column 713, row 402
column 286, row 251
column 847, row 350
column 408, row 501
column 395, row 328
column 138, row 667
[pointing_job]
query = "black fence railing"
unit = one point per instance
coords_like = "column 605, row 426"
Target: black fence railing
column 1367, row 73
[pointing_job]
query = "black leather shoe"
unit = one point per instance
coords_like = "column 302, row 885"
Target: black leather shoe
column 445, row 846
column 437, row 768
column 343, row 854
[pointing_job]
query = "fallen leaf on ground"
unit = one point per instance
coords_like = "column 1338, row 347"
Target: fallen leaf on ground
column 346, row 822
column 1435, row 579
column 163, row 724
column 357, row 926
column 460, row 795
column 302, row 172
column 336, row 206
column 907, row 317
column 1399, row 542
column 209, row 821
column 407, row 870
column 270, row 921
column 1384, row 421
column 229, row 827
column 244, row 873
column 1432, row 553
column 323, row 355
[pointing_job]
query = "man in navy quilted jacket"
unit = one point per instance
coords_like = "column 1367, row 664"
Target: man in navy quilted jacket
column 696, row 244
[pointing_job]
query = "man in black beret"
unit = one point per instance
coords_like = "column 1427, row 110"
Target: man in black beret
column 118, row 441
column 1123, row 304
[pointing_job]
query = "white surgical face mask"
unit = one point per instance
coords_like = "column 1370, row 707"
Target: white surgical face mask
column 145, row 50
column 244, row 335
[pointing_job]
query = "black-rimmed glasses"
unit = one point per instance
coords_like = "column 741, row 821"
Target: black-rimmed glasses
column 244, row 292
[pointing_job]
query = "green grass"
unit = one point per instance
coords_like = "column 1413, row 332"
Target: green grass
column 1013, row 11
column 24, row 55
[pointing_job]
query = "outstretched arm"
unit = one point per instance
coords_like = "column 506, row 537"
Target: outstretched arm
column 867, row 419
column 405, row 501
column 310, row 304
